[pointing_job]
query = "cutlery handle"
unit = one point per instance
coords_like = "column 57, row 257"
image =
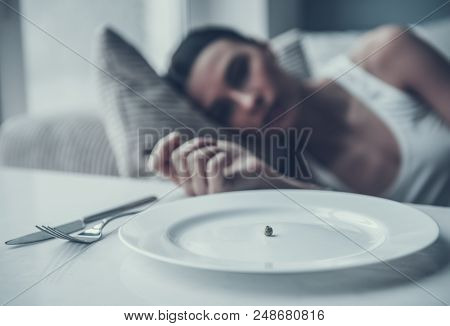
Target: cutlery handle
column 109, row 219
column 119, row 209
column 97, row 228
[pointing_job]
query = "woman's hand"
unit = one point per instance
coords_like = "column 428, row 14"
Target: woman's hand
column 204, row 166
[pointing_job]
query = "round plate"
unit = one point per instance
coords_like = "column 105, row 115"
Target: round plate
column 226, row 232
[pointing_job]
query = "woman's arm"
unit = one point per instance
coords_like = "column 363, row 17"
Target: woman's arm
column 203, row 166
column 407, row 62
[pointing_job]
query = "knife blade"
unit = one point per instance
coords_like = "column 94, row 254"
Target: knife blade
column 79, row 224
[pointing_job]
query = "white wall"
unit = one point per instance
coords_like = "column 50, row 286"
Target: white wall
column 12, row 84
column 165, row 25
column 167, row 21
column 248, row 16
column 57, row 79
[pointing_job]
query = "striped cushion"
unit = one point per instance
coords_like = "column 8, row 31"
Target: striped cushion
column 74, row 142
column 139, row 107
column 288, row 48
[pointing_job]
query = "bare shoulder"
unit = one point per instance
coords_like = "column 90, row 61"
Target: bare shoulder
column 377, row 44
column 378, row 50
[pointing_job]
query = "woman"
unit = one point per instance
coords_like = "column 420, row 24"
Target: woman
column 381, row 128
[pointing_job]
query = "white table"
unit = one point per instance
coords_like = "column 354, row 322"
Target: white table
column 56, row 272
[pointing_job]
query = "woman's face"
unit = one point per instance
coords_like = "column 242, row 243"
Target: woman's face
column 240, row 84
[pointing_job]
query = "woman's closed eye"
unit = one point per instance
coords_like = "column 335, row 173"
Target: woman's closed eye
column 237, row 71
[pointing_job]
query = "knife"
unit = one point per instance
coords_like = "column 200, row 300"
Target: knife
column 78, row 225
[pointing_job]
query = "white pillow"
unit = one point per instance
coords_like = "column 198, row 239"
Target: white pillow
column 437, row 34
column 319, row 47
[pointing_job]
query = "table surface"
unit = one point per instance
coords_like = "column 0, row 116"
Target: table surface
column 57, row 272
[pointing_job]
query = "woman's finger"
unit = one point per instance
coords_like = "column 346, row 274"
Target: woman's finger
column 159, row 160
column 214, row 171
column 179, row 156
column 245, row 173
column 197, row 164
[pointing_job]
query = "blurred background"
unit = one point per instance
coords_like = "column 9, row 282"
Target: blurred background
column 52, row 113
column 39, row 75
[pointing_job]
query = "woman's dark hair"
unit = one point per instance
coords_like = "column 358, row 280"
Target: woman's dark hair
column 197, row 40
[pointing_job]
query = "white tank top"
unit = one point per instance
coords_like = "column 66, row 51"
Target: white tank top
column 422, row 136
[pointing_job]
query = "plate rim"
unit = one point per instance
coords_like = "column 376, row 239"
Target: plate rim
column 284, row 270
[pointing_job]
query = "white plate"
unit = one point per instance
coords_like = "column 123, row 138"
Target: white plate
column 225, row 232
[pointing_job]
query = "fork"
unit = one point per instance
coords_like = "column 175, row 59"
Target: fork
column 87, row 236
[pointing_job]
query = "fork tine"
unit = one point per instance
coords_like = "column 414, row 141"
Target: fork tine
column 66, row 236
column 55, row 232
column 60, row 234
column 44, row 229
